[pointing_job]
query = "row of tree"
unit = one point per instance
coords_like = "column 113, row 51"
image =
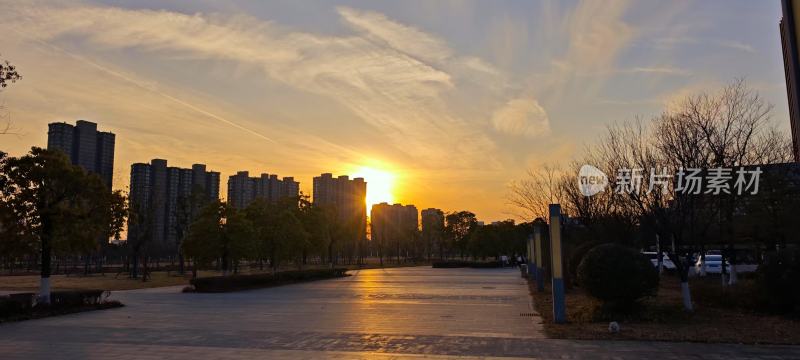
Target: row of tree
column 53, row 207
column 294, row 231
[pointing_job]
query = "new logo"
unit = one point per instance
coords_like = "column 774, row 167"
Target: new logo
column 591, row 180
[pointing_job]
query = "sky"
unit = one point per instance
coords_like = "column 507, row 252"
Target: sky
column 440, row 103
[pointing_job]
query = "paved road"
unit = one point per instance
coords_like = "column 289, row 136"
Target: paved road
column 380, row 314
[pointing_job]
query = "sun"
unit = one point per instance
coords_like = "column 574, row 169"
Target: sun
column 380, row 184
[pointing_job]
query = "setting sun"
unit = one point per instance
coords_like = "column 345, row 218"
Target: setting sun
column 380, row 184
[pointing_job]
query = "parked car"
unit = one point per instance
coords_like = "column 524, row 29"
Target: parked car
column 713, row 264
column 653, row 256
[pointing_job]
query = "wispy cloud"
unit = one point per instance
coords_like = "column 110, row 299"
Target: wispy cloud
column 736, row 45
column 669, row 43
column 392, row 76
column 658, row 70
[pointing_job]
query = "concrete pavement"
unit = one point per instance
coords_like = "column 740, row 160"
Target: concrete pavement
column 382, row 313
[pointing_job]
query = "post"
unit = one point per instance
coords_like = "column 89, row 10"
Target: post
column 659, row 256
column 559, row 306
column 537, row 252
column 529, row 258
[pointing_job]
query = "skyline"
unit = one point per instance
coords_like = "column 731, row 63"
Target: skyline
column 446, row 112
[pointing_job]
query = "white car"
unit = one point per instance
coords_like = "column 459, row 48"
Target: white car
column 713, row 264
column 653, row 256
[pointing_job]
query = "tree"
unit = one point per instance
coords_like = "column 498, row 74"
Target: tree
column 459, row 226
column 279, row 230
column 726, row 129
column 316, row 225
column 433, row 234
column 8, row 75
column 64, row 209
column 186, row 210
column 532, row 195
column 220, row 232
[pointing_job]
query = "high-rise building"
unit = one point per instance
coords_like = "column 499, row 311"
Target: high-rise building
column 791, row 62
column 85, row 146
column 347, row 197
column 432, row 230
column 243, row 189
column 160, row 198
column 394, row 229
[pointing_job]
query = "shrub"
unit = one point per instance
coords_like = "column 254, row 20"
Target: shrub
column 617, row 276
column 466, row 264
column 255, row 281
column 776, row 284
column 22, row 306
column 576, row 256
column 8, row 307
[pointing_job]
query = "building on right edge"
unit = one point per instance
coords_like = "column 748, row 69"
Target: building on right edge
column 791, row 62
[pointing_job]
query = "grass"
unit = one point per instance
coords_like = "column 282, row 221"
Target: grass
column 663, row 318
column 30, row 283
column 95, row 281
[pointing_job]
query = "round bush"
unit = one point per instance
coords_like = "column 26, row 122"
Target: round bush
column 576, row 256
column 617, row 275
column 776, row 284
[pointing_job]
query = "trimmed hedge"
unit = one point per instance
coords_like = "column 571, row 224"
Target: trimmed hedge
column 217, row 284
column 23, row 306
column 466, row 264
column 617, row 275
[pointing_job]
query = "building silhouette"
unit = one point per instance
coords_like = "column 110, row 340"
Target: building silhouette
column 791, row 62
column 347, row 201
column 85, row 146
column 163, row 200
column 243, row 189
column 394, row 230
column 432, row 230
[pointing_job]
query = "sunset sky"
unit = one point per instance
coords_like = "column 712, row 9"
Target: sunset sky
column 446, row 101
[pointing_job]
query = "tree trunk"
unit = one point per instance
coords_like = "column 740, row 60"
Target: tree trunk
column 135, row 267
column 44, row 285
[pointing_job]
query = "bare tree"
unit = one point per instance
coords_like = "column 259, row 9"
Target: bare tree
column 726, row 129
column 532, row 195
column 8, row 75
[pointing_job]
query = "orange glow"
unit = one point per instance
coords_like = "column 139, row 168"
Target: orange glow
column 380, row 184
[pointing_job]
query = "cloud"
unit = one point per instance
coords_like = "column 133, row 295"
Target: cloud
column 521, row 117
column 669, row 43
column 403, row 38
column 736, row 45
column 595, row 34
column 391, row 76
column 658, row 70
